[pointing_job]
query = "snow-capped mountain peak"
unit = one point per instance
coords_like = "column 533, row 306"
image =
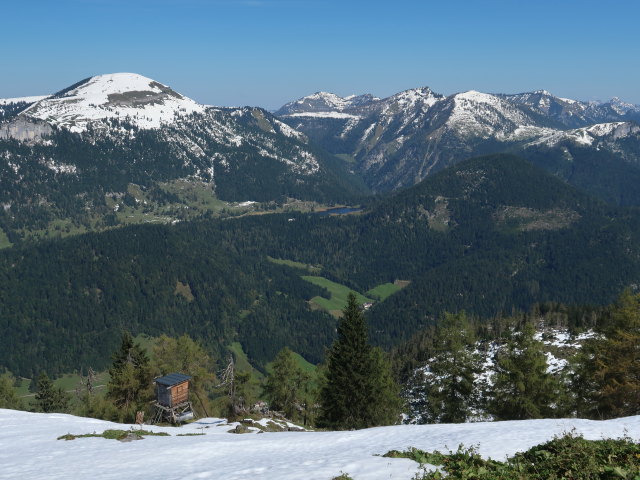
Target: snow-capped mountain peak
column 480, row 114
column 321, row 103
column 475, row 96
column 416, row 97
column 139, row 99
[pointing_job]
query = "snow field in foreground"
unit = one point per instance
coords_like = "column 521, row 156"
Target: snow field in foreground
column 29, row 449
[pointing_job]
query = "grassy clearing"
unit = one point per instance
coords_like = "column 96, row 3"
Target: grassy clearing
column 68, row 382
column 382, row 292
column 4, row 240
column 294, row 264
column 307, row 367
column 242, row 361
column 338, row 292
column 187, row 200
column 184, row 290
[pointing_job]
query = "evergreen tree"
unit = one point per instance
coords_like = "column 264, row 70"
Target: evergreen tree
column 130, row 384
column 359, row 390
column 286, row 385
column 8, row 396
column 522, row 387
column 445, row 390
column 607, row 377
column 50, row 398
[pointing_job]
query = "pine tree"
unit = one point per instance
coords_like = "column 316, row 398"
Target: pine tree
column 608, row 372
column 50, row 398
column 130, row 384
column 522, row 387
column 286, row 385
column 359, row 390
column 444, row 391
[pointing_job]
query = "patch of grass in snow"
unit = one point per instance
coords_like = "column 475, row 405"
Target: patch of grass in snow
column 114, row 434
column 567, row 457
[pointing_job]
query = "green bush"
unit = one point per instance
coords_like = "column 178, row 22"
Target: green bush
column 569, row 457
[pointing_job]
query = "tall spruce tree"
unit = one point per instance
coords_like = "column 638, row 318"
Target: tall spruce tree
column 50, row 398
column 286, row 385
column 130, row 384
column 522, row 387
column 607, row 379
column 359, row 389
column 444, row 391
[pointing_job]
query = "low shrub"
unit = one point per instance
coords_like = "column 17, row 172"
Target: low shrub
column 568, row 457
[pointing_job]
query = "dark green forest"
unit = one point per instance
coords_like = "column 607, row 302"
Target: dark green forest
column 490, row 235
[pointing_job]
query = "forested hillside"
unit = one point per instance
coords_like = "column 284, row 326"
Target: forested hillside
column 65, row 303
column 488, row 235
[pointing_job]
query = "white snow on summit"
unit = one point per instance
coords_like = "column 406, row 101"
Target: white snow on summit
column 323, row 115
column 482, row 114
column 130, row 96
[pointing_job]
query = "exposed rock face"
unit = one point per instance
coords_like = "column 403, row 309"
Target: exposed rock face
column 25, row 130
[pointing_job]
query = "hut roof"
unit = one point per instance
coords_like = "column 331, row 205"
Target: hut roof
column 172, row 379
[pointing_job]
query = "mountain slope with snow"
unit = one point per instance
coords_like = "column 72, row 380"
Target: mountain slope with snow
column 138, row 99
column 104, row 135
column 397, row 141
column 30, row 449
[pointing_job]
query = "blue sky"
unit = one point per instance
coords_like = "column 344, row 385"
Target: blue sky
column 268, row 52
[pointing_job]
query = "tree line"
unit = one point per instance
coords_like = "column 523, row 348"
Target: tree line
column 356, row 387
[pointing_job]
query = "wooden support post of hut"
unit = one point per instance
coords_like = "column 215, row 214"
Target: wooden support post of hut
column 172, row 399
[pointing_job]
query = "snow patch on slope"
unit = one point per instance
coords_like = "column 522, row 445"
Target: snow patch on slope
column 323, row 115
column 589, row 135
column 33, row 452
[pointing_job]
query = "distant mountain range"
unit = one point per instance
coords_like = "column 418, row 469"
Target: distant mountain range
column 122, row 146
column 79, row 152
column 397, row 141
column 487, row 234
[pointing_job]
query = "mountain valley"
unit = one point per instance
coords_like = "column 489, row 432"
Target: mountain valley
column 182, row 218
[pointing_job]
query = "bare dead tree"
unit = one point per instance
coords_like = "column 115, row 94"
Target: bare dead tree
column 228, row 381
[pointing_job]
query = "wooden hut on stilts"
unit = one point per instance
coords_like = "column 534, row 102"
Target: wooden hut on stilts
column 172, row 399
